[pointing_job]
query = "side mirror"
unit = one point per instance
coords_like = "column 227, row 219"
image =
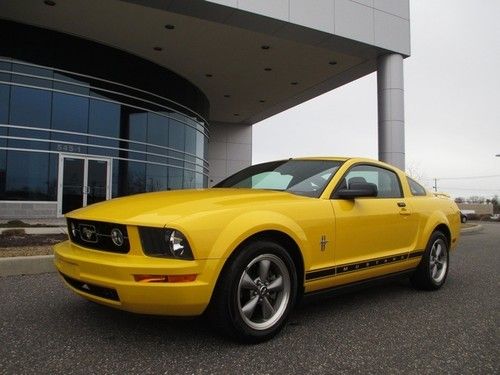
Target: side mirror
column 357, row 190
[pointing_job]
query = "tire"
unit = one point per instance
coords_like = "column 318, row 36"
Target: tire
column 432, row 271
column 255, row 293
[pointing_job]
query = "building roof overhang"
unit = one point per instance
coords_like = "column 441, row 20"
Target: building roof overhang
column 249, row 66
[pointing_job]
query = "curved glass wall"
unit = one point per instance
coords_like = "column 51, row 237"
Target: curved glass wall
column 44, row 112
column 153, row 143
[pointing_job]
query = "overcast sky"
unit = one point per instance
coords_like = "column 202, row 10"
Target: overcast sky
column 452, row 104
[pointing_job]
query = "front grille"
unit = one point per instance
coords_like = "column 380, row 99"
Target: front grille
column 95, row 290
column 97, row 235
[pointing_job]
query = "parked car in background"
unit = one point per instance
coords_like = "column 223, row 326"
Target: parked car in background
column 246, row 250
column 463, row 217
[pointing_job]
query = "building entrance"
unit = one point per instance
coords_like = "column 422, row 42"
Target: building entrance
column 82, row 181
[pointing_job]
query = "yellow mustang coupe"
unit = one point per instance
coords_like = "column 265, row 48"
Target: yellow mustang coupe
column 246, row 250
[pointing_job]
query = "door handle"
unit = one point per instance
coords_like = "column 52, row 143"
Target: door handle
column 401, row 204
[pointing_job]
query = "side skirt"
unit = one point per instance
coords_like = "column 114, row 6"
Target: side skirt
column 362, row 284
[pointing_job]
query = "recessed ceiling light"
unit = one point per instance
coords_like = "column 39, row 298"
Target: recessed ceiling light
column 158, row 48
column 294, row 83
column 208, row 75
column 265, row 47
column 333, row 62
column 227, row 96
column 169, row 27
column 268, row 69
column 50, row 3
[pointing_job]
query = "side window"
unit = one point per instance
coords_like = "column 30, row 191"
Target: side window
column 416, row 189
column 387, row 181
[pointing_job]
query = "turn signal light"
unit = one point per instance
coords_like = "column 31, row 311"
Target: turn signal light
column 164, row 278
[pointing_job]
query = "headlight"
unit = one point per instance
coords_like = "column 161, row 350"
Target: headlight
column 165, row 242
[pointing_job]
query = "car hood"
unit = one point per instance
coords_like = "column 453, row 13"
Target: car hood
column 161, row 208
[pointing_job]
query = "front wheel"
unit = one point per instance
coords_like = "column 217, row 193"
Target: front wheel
column 256, row 292
column 433, row 268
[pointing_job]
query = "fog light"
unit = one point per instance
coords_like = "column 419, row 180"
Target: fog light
column 117, row 237
column 164, row 278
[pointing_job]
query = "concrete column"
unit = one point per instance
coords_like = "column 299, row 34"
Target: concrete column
column 391, row 113
column 229, row 150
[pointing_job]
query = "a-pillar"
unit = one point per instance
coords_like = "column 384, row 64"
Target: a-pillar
column 391, row 114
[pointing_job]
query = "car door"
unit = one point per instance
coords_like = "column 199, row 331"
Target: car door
column 373, row 235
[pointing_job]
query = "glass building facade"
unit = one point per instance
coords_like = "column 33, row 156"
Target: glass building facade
column 81, row 122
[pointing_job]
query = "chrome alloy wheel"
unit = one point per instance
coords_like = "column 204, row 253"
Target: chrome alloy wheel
column 264, row 291
column 438, row 261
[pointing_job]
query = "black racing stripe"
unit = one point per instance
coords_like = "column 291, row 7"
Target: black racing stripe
column 320, row 273
column 359, row 266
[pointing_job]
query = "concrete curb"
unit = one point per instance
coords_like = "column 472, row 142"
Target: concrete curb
column 39, row 230
column 29, row 265
column 475, row 229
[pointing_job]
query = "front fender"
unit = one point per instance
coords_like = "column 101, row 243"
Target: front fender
column 249, row 224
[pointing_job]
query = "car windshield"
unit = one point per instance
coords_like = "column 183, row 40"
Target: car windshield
column 303, row 177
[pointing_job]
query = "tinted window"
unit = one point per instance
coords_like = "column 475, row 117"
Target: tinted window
column 387, row 181
column 156, row 177
column 27, row 176
column 157, row 129
column 30, row 107
column 415, row 188
column 70, row 112
column 303, row 177
column 4, row 111
column 175, row 178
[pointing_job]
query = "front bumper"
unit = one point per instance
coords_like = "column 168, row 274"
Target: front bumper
column 108, row 279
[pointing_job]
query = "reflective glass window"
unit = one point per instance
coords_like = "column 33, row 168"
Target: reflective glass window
column 72, row 85
column 176, row 135
column 137, row 127
column 157, row 129
column 104, row 118
column 53, row 175
column 70, row 112
column 28, row 75
column 175, row 178
column 6, row 67
column 27, row 176
column 200, row 146
column 30, row 107
column 156, row 177
column 415, row 188
column 3, row 172
column 190, row 143
column 189, row 180
column 4, row 112
column 129, row 178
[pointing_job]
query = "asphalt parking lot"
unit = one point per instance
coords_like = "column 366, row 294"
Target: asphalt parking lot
column 388, row 329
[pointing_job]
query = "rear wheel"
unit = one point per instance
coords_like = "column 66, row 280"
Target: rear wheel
column 256, row 292
column 433, row 268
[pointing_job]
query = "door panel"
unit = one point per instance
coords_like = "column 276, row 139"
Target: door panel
column 373, row 228
column 73, row 184
column 369, row 228
column 97, row 181
column 84, row 181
